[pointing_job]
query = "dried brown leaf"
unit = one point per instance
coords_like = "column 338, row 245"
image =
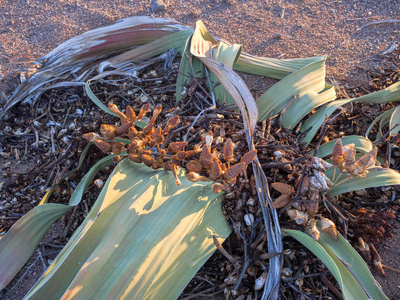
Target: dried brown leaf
column 281, row 201
column 283, row 188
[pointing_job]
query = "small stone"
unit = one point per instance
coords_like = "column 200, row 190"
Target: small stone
column 7, row 206
column 157, row 6
column 248, row 219
column 230, row 196
column 144, row 99
column 361, row 193
column 61, row 133
column 99, row 183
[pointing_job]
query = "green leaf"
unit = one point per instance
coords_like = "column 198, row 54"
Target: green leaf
column 385, row 121
column 201, row 47
column 144, row 239
column 202, row 41
column 349, row 257
column 395, row 121
column 317, row 250
column 271, row 67
column 376, row 177
column 303, row 105
column 174, row 40
column 100, row 104
column 380, row 118
column 390, row 94
column 345, row 264
column 228, row 54
column 96, row 100
column 17, row 246
column 189, row 67
column 19, row 243
column 314, row 122
column 311, row 78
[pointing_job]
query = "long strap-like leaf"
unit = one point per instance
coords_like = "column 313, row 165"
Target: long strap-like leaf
column 201, row 48
column 345, row 264
column 18, row 244
column 145, row 238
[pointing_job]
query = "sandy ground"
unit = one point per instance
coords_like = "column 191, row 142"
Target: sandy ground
column 276, row 28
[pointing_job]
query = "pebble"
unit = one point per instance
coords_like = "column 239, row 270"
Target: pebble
column 144, row 99
column 230, row 195
column 157, row 5
column 248, row 219
column 361, row 193
column 7, row 206
column 62, row 133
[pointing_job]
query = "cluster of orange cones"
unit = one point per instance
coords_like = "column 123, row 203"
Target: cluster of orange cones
column 148, row 146
column 345, row 158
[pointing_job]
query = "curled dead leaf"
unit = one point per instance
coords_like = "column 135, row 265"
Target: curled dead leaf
column 314, row 232
column 313, row 204
column 192, row 176
column 217, row 188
